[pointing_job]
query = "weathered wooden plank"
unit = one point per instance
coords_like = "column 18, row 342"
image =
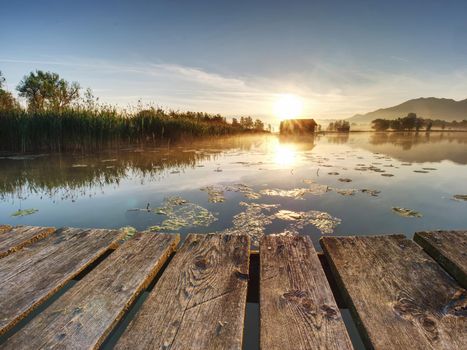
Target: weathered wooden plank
column 449, row 249
column 84, row 316
column 16, row 238
column 400, row 297
column 200, row 300
column 30, row 276
column 4, row 228
column 298, row 310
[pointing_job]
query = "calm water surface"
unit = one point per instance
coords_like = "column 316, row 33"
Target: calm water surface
column 259, row 184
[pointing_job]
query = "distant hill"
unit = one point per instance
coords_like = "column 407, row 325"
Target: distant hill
column 427, row 108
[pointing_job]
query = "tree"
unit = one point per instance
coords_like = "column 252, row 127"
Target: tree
column 409, row 122
column 419, row 122
column 429, row 125
column 381, row 124
column 235, row 122
column 249, row 123
column 46, row 90
column 258, row 125
column 7, row 101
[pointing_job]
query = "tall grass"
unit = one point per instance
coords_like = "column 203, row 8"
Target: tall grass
column 81, row 129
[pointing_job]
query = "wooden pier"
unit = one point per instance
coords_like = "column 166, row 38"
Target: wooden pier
column 402, row 294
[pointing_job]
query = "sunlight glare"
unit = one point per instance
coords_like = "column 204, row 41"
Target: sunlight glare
column 284, row 155
column 288, row 106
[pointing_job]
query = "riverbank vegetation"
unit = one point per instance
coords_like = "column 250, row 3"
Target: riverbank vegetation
column 59, row 117
column 412, row 122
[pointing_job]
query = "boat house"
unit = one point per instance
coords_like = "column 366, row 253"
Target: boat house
column 297, row 126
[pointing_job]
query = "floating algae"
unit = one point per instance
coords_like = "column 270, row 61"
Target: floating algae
column 387, row 175
column 345, row 191
column 333, row 173
column 421, row 171
column 252, row 221
column 429, row 169
column 373, row 193
column 296, row 193
column 181, row 213
column 345, row 179
column 24, row 212
column 129, row 232
column 245, row 189
column 323, row 221
column 215, row 194
column 288, row 215
column 408, row 213
column 460, row 197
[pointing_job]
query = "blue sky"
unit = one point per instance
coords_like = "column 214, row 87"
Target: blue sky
column 235, row 57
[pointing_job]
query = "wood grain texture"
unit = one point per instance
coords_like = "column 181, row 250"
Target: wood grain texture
column 449, row 249
column 30, row 276
column 84, row 316
column 298, row 310
column 399, row 296
column 16, row 238
column 200, row 300
column 4, row 228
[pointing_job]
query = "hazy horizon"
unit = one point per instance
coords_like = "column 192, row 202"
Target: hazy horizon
column 338, row 58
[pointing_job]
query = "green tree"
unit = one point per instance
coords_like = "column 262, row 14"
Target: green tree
column 7, row 101
column 46, row 90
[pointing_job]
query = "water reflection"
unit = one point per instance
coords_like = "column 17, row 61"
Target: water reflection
column 248, row 183
column 423, row 147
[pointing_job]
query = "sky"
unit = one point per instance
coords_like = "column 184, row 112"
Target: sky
column 237, row 57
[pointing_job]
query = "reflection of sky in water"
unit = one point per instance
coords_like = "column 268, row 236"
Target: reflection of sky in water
column 98, row 190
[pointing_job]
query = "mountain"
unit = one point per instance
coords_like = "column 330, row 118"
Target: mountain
column 427, row 108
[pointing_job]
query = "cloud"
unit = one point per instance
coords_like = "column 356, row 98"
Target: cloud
column 330, row 90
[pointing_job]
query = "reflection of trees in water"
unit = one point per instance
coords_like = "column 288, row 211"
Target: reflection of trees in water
column 298, row 142
column 407, row 140
column 71, row 176
column 419, row 147
column 339, row 138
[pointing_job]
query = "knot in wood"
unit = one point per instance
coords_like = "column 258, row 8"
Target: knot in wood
column 201, row 263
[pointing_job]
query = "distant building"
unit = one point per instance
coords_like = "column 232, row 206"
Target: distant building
column 297, row 126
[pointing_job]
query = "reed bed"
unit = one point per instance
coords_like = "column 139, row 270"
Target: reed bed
column 86, row 130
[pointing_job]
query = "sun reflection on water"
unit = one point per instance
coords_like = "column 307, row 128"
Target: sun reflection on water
column 285, row 155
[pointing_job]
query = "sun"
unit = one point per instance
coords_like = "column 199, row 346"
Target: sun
column 288, row 106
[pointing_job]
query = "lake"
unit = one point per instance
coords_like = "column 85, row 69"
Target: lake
column 339, row 184
column 335, row 184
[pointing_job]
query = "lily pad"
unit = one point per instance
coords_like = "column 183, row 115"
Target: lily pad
column 408, row 213
column 341, row 179
column 421, row 171
column 25, row 212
